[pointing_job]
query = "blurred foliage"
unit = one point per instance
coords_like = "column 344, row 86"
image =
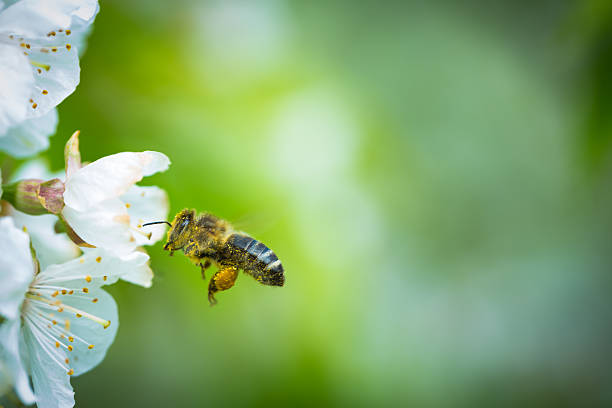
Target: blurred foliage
column 434, row 176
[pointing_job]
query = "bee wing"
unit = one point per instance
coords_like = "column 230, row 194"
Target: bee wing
column 255, row 223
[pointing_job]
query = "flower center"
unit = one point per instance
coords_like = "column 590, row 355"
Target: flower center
column 53, row 332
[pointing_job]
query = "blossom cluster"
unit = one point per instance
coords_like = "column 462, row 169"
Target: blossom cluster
column 63, row 236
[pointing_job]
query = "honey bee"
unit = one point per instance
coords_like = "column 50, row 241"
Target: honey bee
column 206, row 239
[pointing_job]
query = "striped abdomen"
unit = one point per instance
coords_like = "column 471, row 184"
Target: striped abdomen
column 256, row 259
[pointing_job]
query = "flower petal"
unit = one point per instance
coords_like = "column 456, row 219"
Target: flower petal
column 51, row 382
column 110, row 177
column 146, row 204
column 30, row 136
column 9, row 354
column 37, row 18
column 16, row 267
column 95, row 268
column 105, row 225
column 16, row 82
column 141, row 275
column 51, row 247
column 83, row 358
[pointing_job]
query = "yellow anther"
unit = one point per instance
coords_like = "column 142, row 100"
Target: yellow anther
column 54, row 322
column 57, row 344
column 44, row 92
column 68, row 32
column 127, row 205
column 24, row 228
column 61, row 309
column 54, row 49
column 81, row 260
column 71, row 371
column 107, row 324
column 70, row 348
column 71, row 339
column 105, row 277
column 64, row 291
column 67, row 361
column 88, row 279
column 67, row 324
column 70, row 292
column 54, row 294
column 34, row 105
column 68, row 46
column 90, row 346
column 85, row 290
column 78, row 315
column 99, row 259
column 62, row 336
column 95, row 300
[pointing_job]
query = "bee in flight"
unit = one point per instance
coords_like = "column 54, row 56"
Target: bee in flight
column 206, row 239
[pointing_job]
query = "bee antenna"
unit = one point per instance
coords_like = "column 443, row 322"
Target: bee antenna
column 156, row 222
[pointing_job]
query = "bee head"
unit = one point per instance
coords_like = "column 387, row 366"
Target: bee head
column 180, row 233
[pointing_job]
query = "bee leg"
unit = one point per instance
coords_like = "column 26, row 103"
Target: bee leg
column 223, row 279
column 204, row 266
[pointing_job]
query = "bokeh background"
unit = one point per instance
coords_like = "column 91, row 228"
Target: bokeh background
column 435, row 177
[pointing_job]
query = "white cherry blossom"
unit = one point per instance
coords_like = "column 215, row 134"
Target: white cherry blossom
column 105, row 207
column 39, row 67
column 59, row 320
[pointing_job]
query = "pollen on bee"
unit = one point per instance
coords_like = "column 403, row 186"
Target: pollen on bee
column 70, row 372
column 90, row 346
column 85, row 290
column 70, row 347
column 57, row 344
column 44, row 92
column 88, row 279
column 95, row 300
column 99, row 259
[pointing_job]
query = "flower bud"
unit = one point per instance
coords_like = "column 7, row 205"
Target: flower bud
column 36, row 197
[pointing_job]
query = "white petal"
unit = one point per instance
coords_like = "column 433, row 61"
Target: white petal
column 141, row 275
column 83, row 359
column 51, row 383
column 9, row 353
column 16, row 83
column 30, row 136
column 95, row 268
column 16, row 267
column 147, row 204
column 56, row 72
column 105, row 225
column 36, row 18
column 51, row 247
column 111, row 177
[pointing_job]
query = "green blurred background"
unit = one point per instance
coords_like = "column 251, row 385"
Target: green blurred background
column 435, row 178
